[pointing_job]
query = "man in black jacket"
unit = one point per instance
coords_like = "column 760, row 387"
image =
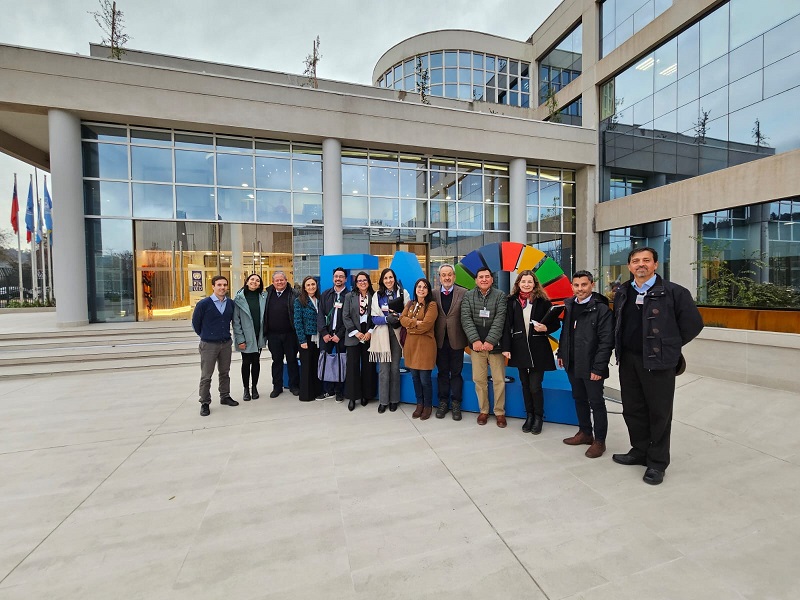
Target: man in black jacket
column 280, row 334
column 331, row 327
column 584, row 350
column 654, row 320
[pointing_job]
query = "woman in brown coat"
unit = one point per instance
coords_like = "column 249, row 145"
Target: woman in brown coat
column 419, row 318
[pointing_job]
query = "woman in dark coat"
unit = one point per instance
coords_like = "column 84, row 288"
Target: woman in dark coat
column 305, row 324
column 527, row 346
column 361, row 378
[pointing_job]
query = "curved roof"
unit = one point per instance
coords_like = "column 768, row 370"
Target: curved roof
column 451, row 39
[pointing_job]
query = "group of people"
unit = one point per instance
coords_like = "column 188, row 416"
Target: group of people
column 432, row 326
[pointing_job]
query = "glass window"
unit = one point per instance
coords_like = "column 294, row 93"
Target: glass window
column 496, row 189
column 273, row 207
column 195, row 203
column 307, row 176
column 451, row 75
column 106, row 198
column 496, row 216
column 451, row 59
column 477, row 60
column 194, row 167
column 109, row 257
column 383, row 212
column 355, row 211
column 470, row 216
column 307, row 208
column 470, row 187
column 443, row 215
column 714, row 75
column 689, row 88
column 413, row 184
column 746, row 59
column 151, row 138
column 383, row 181
column 490, row 64
column 273, row 148
column 782, row 41
column 665, row 100
column 151, row 164
column 782, row 75
column 436, row 77
column 235, row 170
column 307, row 152
column 106, row 161
column 413, row 213
column 689, row 50
column 152, row 201
column 714, row 35
column 236, row 205
column 436, row 59
column 666, row 67
column 226, row 144
column 354, row 180
column 745, row 91
column 104, row 133
column 750, row 18
column 464, row 58
column 273, row 173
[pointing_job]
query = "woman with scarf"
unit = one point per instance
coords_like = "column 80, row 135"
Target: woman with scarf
column 527, row 346
column 360, row 379
column 385, row 345
column 306, row 306
column 419, row 317
column 248, row 333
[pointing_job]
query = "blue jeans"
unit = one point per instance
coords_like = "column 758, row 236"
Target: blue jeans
column 423, row 388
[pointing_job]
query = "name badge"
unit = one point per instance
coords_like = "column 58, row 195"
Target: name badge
column 337, row 305
column 639, row 298
column 484, row 314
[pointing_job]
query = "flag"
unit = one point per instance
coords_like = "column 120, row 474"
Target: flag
column 39, row 224
column 29, row 211
column 15, row 209
column 48, row 210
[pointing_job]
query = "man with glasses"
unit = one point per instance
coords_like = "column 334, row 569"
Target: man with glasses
column 280, row 334
column 450, row 341
column 331, row 328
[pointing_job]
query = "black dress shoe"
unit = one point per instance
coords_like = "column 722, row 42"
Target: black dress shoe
column 276, row 392
column 204, row 410
column 228, row 401
column 381, row 408
column 528, row 424
column 629, row 459
column 254, row 395
column 246, row 395
column 351, row 405
column 653, row 476
column 393, row 406
column 537, row 425
column 295, row 391
column 364, row 401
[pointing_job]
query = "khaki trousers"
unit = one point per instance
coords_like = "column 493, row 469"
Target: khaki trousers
column 481, row 362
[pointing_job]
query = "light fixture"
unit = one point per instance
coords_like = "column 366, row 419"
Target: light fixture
column 646, row 64
column 355, row 191
column 245, row 185
column 669, row 70
column 305, row 189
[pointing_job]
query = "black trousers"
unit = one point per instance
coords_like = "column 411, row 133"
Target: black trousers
column 251, row 368
column 361, row 378
column 647, row 398
column 310, row 385
column 532, row 394
column 589, row 401
column 450, row 363
column 284, row 345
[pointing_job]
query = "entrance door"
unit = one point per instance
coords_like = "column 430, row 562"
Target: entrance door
column 259, row 249
column 385, row 252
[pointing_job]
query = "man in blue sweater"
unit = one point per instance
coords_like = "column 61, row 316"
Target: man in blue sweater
column 211, row 320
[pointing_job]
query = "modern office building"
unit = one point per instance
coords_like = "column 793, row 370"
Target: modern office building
column 617, row 123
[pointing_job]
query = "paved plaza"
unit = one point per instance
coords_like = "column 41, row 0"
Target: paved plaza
column 113, row 486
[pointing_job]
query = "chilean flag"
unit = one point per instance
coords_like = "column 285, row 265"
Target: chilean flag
column 15, row 209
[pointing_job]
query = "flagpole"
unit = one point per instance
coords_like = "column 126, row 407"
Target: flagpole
column 34, row 269
column 39, row 232
column 19, row 249
column 49, row 256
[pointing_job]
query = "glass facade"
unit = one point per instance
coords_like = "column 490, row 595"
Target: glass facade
column 759, row 243
column 720, row 93
column 465, row 75
column 550, row 206
column 621, row 19
column 562, row 64
column 615, row 245
column 167, row 210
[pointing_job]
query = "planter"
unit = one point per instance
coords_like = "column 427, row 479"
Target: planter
column 752, row 319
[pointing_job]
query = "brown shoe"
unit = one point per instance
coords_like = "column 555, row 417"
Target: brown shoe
column 596, row 450
column 417, row 412
column 578, row 439
column 482, row 419
column 426, row 413
column 501, row 421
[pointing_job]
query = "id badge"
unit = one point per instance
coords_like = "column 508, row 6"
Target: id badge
column 640, row 299
column 337, row 305
column 484, row 314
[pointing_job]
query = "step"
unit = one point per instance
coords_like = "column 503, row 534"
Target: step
column 97, row 352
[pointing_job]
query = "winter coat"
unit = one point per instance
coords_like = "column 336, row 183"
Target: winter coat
column 534, row 350
column 243, row 329
column 351, row 317
column 305, row 320
column 482, row 329
column 670, row 320
column 325, row 318
column 420, row 347
column 592, row 336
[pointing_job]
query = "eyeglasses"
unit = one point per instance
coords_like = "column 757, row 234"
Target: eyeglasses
column 361, row 281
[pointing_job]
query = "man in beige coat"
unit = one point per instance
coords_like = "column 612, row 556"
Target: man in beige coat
column 450, row 341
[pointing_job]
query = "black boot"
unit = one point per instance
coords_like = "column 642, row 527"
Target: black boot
column 456, row 410
column 246, row 395
column 254, row 394
column 441, row 410
column 537, row 425
column 528, row 425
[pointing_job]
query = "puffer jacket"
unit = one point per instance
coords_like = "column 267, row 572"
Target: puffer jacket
column 592, row 337
column 243, row 330
column 670, row 320
column 483, row 329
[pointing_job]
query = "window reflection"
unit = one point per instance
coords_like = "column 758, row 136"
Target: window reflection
column 109, row 252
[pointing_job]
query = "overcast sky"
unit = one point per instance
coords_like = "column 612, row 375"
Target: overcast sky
column 265, row 34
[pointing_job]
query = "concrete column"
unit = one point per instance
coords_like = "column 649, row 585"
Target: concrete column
column 69, row 262
column 587, row 242
column 517, row 193
column 237, row 256
column 683, row 252
column 333, row 234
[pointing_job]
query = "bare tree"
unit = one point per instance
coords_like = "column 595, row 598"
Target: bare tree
column 311, row 62
column 701, row 127
column 112, row 23
column 758, row 135
column 423, row 82
column 552, row 105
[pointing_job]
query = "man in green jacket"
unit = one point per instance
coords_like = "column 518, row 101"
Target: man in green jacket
column 483, row 317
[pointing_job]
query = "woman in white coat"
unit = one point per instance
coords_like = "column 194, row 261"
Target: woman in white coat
column 248, row 331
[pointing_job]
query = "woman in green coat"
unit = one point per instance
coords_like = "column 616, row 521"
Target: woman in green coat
column 248, row 331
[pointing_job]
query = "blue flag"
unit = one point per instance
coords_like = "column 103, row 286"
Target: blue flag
column 48, row 210
column 29, row 211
